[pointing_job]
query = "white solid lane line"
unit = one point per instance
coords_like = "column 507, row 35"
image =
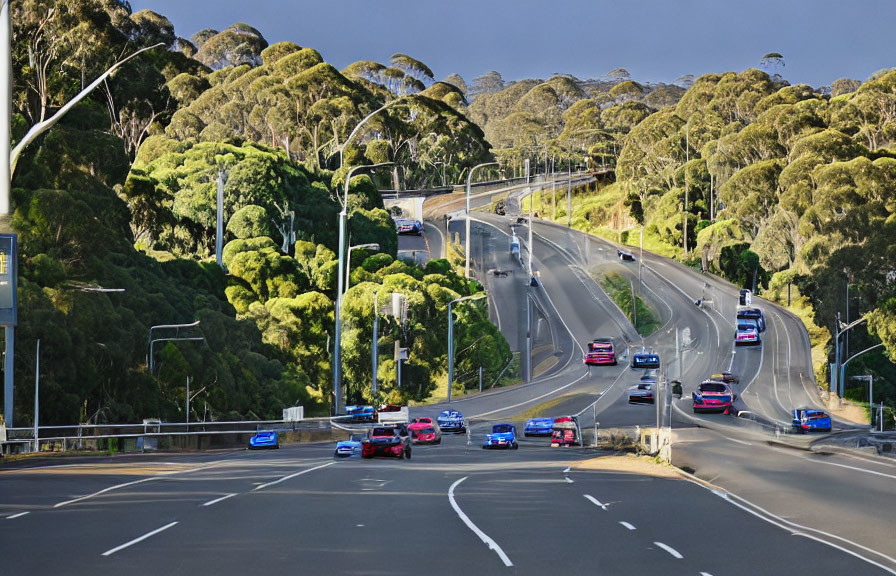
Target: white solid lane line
column 848, row 467
column 595, row 501
column 216, row 500
column 14, row 516
column 291, row 476
column 670, row 550
column 136, row 540
column 705, row 574
column 104, row 490
column 492, row 545
column 627, row 525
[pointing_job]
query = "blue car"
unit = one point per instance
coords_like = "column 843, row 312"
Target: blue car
column 265, row 439
column 350, row 447
column 645, row 360
column 808, row 419
column 502, row 436
column 409, row 226
column 539, row 427
column 451, row 421
column 360, row 413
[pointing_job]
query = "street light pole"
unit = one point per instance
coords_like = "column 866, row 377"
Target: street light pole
column 687, row 158
column 343, row 218
column 850, row 359
column 469, row 185
column 374, row 352
column 361, row 123
column 837, row 378
column 6, row 120
column 348, row 265
column 451, row 337
column 149, row 359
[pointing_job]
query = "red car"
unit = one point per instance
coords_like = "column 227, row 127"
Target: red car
column 387, row 441
column 600, row 352
column 712, row 396
column 424, row 433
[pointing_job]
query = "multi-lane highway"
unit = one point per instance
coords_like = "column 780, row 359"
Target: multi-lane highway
column 750, row 500
column 451, row 509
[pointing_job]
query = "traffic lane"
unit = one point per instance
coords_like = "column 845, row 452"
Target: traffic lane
column 88, row 527
column 354, row 517
column 703, row 529
column 541, row 522
column 34, row 485
column 837, row 494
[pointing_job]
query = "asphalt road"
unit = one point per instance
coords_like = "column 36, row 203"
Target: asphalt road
column 299, row 509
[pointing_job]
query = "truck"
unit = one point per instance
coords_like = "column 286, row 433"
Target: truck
column 399, row 416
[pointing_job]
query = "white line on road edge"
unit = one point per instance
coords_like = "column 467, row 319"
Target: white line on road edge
column 568, row 480
column 104, row 490
column 492, row 545
column 216, row 500
column 136, row 540
column 627, row 525
column 670, row 550
column 705, row 574
column 291, row 476
column 595, row 501
column 848, row 467
column 792, row 527
column 554, row 391
column 156, row 477
column 14, row 516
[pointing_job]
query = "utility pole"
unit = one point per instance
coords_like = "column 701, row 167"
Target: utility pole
column 187, row 411
column 569, row 198
column 687, row 158
column 219, row 220
column 37, row 397
column 374, row 351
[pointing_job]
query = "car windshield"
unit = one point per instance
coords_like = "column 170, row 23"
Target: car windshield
column 356, row 437
column 502, row 428
column 426, row 430
column 713, row 387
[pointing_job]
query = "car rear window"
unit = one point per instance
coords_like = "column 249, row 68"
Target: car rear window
column 816, row 415
column 745, row 327
column 713, row 387
column 383, row 432
column 502, row 428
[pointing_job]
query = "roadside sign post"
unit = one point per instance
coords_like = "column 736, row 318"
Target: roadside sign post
column 8, row 316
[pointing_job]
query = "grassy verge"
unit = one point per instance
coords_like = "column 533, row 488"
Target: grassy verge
column 619, row 290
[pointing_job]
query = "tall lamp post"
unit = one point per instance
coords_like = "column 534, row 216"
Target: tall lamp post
column 479, row 296
column 687, row 158
column 467, row 230
column 348, row 262
column 362, row 122
column 343, row 218
column 837, row 379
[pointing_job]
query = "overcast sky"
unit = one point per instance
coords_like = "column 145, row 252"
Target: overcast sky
column 655, row 40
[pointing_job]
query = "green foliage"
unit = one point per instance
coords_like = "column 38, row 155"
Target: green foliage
column 250, row 221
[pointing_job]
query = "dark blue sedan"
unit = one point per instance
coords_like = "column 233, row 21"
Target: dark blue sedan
column 538, row 427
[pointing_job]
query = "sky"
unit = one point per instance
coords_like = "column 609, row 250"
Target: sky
column 655, row 40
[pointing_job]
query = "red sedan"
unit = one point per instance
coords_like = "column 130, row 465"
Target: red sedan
column 424, row 433
column 600, row 352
